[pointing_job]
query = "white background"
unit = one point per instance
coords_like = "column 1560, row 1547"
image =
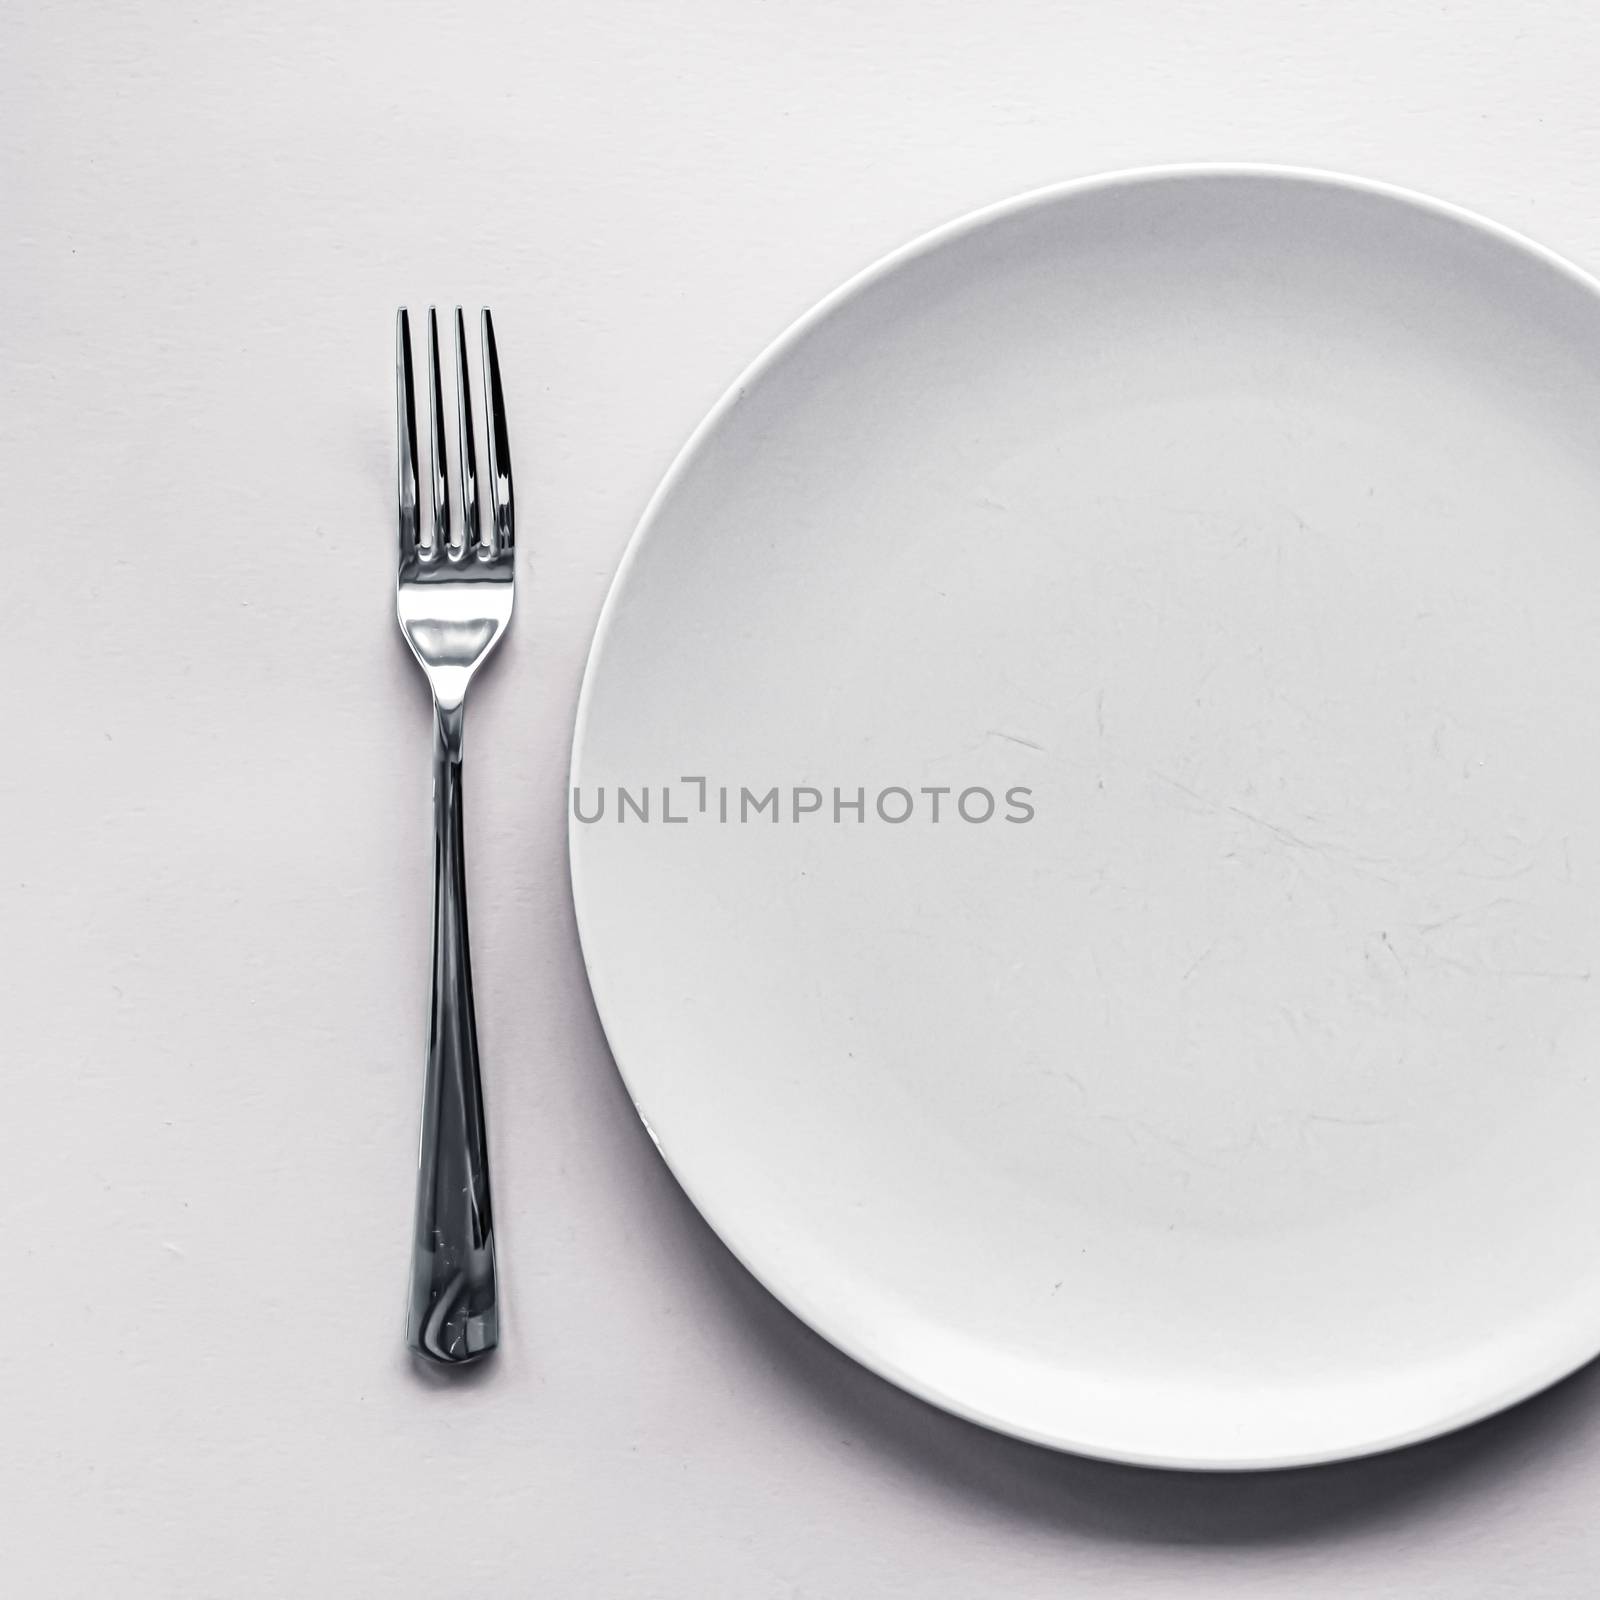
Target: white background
column 214, row 895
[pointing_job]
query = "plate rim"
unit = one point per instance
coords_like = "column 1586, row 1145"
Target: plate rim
column 1575, row 1353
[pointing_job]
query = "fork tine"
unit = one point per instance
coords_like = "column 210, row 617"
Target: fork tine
column 440, row 462
column 499, row 444
column 471, row 527
column 406, row 409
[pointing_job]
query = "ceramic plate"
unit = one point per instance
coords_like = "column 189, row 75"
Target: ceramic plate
column 1093, row 870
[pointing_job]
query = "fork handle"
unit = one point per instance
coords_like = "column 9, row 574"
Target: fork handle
column 453, row 1315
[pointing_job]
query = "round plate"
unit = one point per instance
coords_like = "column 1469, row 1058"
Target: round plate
column 1214, row 1082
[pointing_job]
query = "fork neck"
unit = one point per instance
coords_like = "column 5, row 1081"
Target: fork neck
column 449, row 722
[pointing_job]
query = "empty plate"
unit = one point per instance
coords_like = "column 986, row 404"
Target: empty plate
column 1087, row 836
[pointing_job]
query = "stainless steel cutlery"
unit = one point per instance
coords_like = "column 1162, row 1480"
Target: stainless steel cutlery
column 454, row 595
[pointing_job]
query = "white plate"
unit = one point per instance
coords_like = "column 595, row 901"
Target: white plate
column 1242, row 1108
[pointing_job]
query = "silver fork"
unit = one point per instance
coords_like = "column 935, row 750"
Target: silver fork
column 453, row 596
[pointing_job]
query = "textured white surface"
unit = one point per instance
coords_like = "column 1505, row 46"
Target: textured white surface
column 213, row 919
